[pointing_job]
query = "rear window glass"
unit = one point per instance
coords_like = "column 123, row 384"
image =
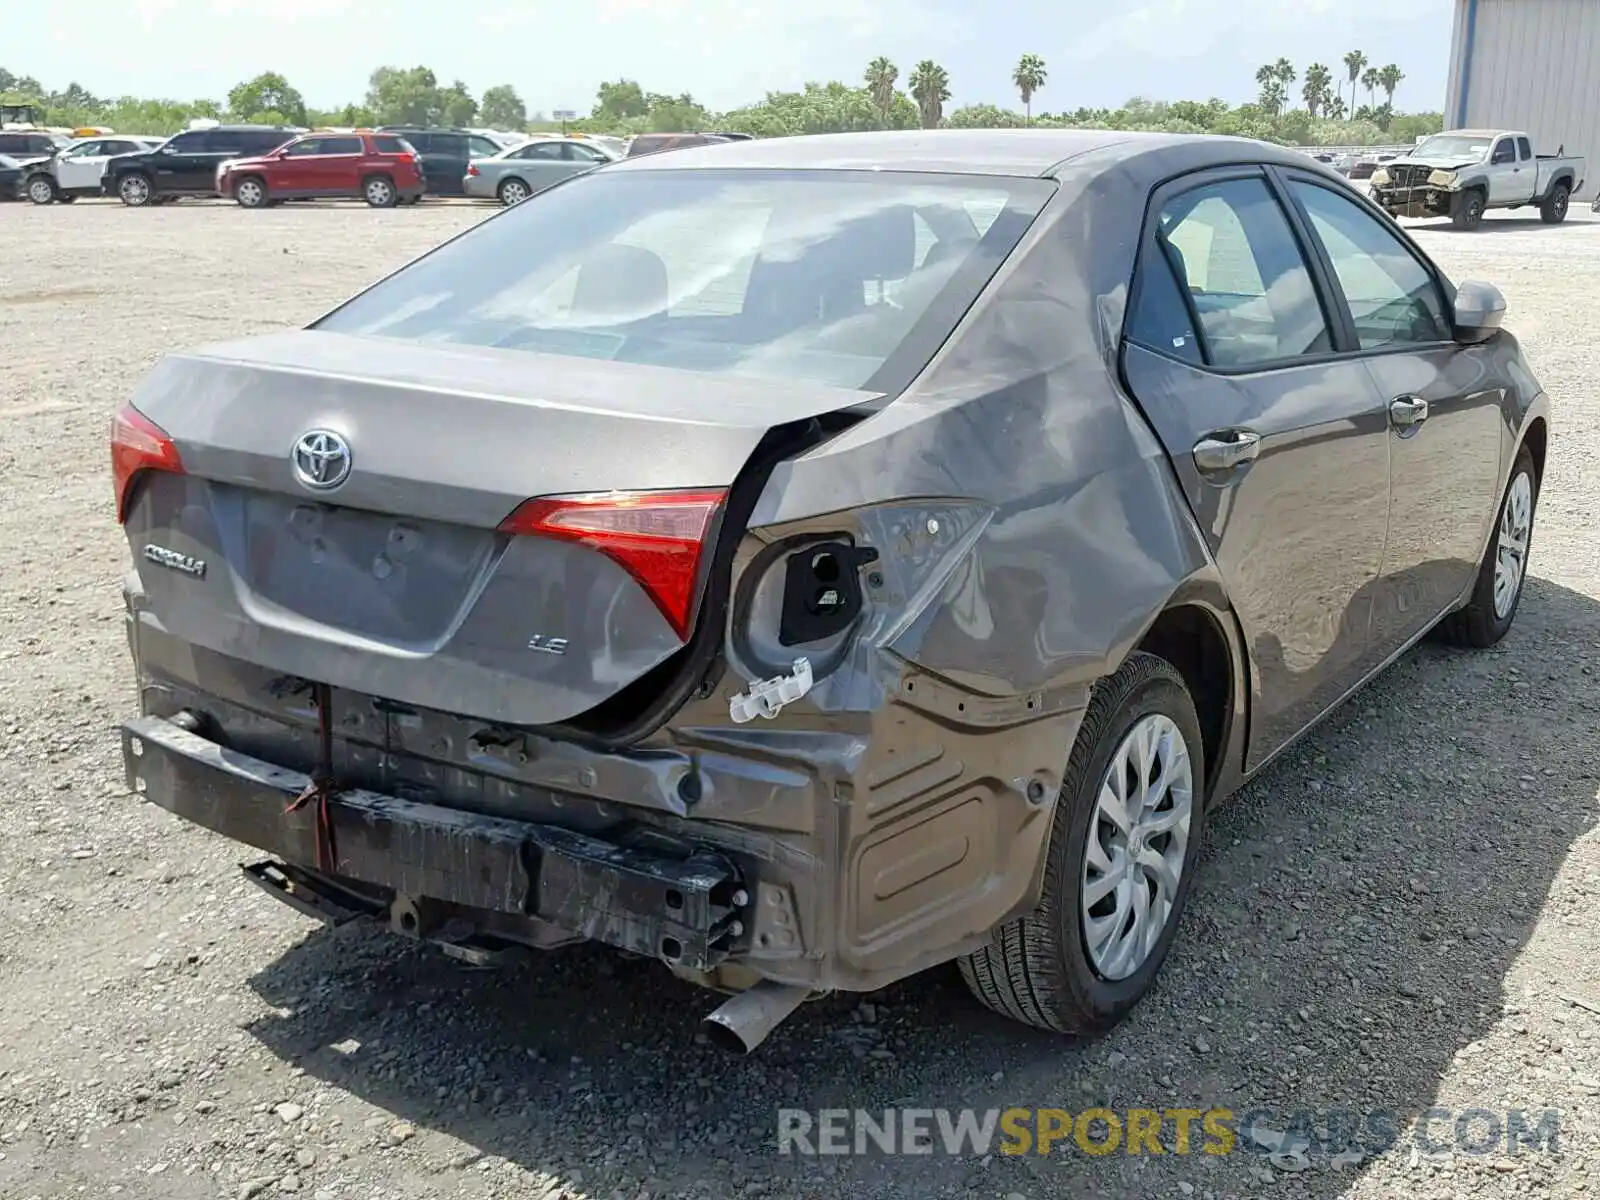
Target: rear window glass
column 391, row 145
column 818, row 275
column 341, row 145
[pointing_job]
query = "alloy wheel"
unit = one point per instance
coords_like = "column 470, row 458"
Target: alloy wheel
column 1137, row 847
column 134, row 190
column 1511, row 550
column 41, row 191
column 379, row 192
column 514, row 191
column 249, row 193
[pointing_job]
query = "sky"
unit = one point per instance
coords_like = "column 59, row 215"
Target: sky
column 725, row 52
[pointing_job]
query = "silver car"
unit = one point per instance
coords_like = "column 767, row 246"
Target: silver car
column 519, row 172
column 803, row 562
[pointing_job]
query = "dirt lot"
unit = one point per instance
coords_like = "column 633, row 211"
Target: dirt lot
column 1392, row 919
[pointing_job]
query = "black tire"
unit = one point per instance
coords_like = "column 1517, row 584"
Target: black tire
column 250, row 192
column 379, row 191
column 1481, row 624
column 1553, row 209
column 1037, row 969
column 135, row 190
column 41, row 189
column 1467, row 211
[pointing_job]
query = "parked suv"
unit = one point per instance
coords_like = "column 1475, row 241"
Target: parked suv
column 444, row 154
column 79, row 170
column 186, row 165
column 381, row 168
column 24, row 144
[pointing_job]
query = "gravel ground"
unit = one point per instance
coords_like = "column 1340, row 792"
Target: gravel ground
column 1398, row 916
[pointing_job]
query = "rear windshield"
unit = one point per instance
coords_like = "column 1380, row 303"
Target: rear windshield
column 851, row 278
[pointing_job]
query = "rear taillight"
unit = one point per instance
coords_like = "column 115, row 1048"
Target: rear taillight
column 408, row 158
column 659, row 538
column 472, row 169
column 138, row 444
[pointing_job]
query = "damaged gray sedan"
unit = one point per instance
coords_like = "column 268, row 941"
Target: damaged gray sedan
column 807, row 562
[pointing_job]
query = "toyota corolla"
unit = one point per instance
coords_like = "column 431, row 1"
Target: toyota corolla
column 805, row 562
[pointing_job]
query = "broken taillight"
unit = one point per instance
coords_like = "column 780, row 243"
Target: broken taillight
column 659, row 538
column 138, row 444
column 472, row 169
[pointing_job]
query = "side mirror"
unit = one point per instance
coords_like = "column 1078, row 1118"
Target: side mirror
column 1479, row 310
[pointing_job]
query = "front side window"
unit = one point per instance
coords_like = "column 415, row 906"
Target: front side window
column 1231, row 245
column 304, row 148
column 1505, row 151
column 576, row 152
column 86, row 150
column 816, row 275
column 1392, row 297
column 482, row 147
column 186, row 143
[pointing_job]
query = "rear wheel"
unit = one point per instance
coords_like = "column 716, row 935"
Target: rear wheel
column 1119, row 863
column 41, row 190
column 135, row 191
column 250, row 192
column 1467, row 212
column 379, row 192
column 1553, row 210
column 1498, row 592
column 514, row 191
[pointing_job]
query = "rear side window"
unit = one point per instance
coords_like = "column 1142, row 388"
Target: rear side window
column 387, row 144
column 264, row 140
column 1524, row 149
column 452, row 145
column 840, row 277
column 548, row 150
column 1231, row 246
column 1161, row 320
column 341, row 145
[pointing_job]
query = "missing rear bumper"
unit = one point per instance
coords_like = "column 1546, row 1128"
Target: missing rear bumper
column 654, row 901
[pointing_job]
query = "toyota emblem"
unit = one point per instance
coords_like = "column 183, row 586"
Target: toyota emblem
column 321, row 459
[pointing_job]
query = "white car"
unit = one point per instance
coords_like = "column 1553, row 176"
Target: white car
column 77, row 169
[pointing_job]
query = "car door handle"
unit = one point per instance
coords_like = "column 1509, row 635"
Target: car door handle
column 1220, row 452
column 1407, row 412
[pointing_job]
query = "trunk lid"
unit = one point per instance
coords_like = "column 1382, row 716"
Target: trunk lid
column 398, row 581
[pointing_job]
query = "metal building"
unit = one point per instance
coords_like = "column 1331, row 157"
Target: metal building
column 1529, row 64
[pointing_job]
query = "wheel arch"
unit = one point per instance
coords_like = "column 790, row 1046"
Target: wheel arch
column 1536, row 437
column 1198, row 633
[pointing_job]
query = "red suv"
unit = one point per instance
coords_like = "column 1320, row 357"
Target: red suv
column 380, row 168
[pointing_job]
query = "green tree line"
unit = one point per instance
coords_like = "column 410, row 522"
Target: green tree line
column 415, row 95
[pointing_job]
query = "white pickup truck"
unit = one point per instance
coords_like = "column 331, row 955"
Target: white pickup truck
column 1462, row 173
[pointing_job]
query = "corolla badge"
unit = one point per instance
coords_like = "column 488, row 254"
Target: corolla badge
column 321, row 459
column 186, row 563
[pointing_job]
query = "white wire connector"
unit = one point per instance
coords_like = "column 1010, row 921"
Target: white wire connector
column 767, row 697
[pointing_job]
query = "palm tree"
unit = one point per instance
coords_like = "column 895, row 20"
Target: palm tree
column 1389, row 78
column 1316, row 92
column 1274, row 85
column 1336, row 110
column 1354, row 63
column 880, row 78
column 1369, row 80
column 1029, row 77
column 930, row 88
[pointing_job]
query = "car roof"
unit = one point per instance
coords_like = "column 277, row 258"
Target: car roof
column 1036, row 152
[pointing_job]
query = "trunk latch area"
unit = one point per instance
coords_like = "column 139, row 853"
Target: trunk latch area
column 821, row 591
